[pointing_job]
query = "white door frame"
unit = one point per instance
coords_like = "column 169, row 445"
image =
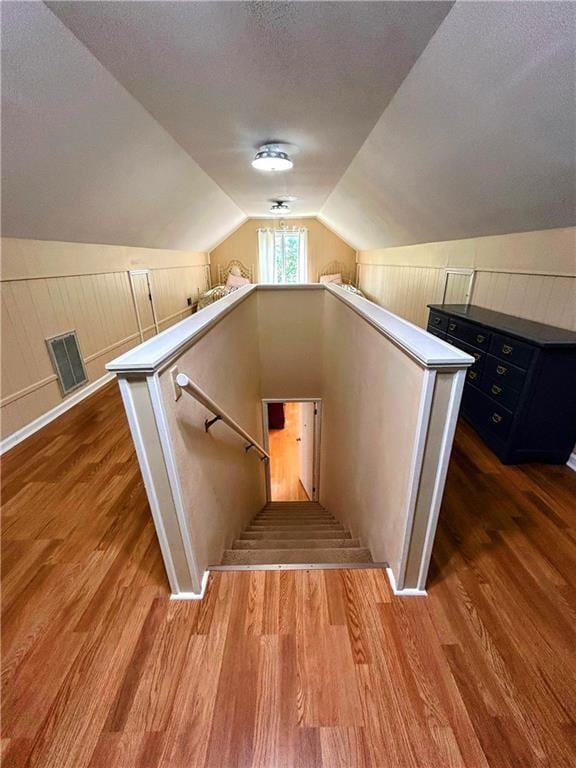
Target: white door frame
column 131, row 273
column 469, row 271
column 317, row 438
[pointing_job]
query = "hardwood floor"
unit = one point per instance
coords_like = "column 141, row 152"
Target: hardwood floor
column 308, row 669
column 285, row 482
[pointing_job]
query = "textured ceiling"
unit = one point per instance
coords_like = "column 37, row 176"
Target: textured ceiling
column 224, row 77
column 82, row 160
column 479, row 139
column 415, row 125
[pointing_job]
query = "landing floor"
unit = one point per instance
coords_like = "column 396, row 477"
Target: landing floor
column 299, row 669
column 284, row 465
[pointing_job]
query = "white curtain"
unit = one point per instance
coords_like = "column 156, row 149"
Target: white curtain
column 266, row 260
column 303, row 256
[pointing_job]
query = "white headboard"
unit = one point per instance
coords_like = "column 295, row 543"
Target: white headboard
column 335, row 267
column 245, row 271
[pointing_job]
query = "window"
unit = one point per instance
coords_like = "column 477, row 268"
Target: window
column 283, row 255
column 286, row 254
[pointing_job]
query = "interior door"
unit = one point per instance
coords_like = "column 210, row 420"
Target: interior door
column 307, row 445
column 143, row 303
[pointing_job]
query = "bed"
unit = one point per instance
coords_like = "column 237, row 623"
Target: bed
column 231, row 277
column 339, row 273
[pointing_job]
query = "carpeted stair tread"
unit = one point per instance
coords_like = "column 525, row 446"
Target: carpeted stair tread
column 299, row 533
column 294, row 543
column 300, row 556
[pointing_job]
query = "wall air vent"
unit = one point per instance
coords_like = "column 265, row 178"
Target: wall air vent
column 67, row 361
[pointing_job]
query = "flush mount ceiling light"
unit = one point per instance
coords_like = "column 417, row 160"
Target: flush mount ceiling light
column 271, row 157
column 279, row 209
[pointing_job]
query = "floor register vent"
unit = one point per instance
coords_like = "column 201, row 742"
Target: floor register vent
column 67, row 361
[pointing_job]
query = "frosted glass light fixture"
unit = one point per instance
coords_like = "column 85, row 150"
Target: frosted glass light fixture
column 271, row 157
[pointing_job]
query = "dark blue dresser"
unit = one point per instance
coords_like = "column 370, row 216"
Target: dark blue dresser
column 520, row 395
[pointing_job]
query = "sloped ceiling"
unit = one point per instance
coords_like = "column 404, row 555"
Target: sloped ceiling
column 224, row 77
column 135, row 123
column 82, row 160
column 480, row 139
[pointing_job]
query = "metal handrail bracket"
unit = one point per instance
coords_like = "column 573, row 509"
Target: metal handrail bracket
column 186, row 384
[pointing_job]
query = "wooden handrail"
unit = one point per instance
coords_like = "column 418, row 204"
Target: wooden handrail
column 185, row 383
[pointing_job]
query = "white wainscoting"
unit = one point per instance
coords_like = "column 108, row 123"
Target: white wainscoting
column 100, row 307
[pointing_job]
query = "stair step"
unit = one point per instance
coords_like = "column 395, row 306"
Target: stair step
column 296, row 508
column 302, row 555
column 294, row 543
column 293, row 504
column 283, row 526
column 294, row 511
column 298, row 533
column 294, row 518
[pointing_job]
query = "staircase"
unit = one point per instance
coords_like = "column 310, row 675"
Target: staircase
column 295, row 532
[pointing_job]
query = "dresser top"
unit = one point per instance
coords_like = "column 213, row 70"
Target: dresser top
column 537, row 333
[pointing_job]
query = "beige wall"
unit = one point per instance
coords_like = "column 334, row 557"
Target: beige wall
column 49, row 287
column 323, row 247
column 222, row 486
column 290, row 337
column 529, row 274
column 259, row 348
column 369, row 418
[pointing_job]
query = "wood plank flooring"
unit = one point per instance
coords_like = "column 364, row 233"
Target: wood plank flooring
column 309, row 669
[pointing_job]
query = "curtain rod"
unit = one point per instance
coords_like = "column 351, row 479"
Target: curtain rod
column 294, row 228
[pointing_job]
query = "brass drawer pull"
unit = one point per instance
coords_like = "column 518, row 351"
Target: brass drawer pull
column 507, row 349
column 501, row 369
column 480, row 338
column 472, row 375
column 496, row 389
column 477, row 355
column 436, row 320
column 496, row 418
column 452, row 326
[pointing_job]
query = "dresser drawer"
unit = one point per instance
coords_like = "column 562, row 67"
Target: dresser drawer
column 473, row 376
column 499, row 371
column 485, row 414
column 469, row 332
column 476, row 353
column 511, row 350
column 500, row 392
column 437, row 321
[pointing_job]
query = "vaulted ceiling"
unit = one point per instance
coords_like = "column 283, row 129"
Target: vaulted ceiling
column 135, row 123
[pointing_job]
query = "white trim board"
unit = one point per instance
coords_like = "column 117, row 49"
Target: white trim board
column 571, row 463
column 193, row 595
column 409, row 592
column 139, row 445
column 157, row 352
column 173, row 477
column 45, row 419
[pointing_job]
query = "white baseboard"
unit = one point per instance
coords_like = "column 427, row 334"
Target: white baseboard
column 572, row 462
column 193, row 595
column 34, row 426
column 409, row 592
